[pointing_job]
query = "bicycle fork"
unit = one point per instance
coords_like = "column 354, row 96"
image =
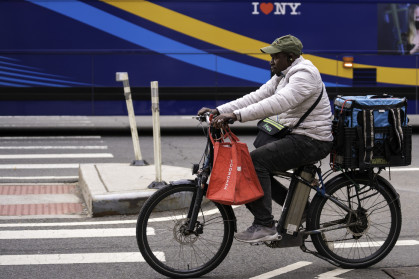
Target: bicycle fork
column 196, row 202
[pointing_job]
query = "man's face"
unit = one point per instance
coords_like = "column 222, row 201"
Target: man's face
column 279, row 62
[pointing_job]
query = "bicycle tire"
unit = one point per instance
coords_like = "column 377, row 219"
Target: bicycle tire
column 170, row 252
column 369, row 241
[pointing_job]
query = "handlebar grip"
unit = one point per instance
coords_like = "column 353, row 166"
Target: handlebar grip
column 203, row 117
column 230, row 121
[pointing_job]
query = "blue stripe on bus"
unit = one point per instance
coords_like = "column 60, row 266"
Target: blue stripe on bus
column 8, row 58
column 28, row 72
column 30, row 82
column 16, row 65
column 12, row 84
column 3, row 73
column 153, row 41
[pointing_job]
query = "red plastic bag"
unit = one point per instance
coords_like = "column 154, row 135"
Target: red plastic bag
column 233, row 178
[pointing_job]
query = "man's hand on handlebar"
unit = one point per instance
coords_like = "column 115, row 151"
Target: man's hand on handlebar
column 211, row 111
column 223, row 119
column 219, row 120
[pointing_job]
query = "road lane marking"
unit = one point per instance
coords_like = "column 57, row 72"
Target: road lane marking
column 38, row 199
column 66, row 178
column 333, row 273
column 68, row 224
column 88, row 258
column 38, row 166
column 114, row 222
column 75, row 233
column 88, row 147
column 375, row 244
column 61, row 125
column 51, row 137
column 402, row 169
column 49, row 156
column 282, row 270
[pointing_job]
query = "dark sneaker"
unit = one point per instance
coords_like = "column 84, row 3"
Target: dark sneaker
column 257, row 233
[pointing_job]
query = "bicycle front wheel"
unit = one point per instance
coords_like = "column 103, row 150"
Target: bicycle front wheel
column 374, row 231
column 169, row 248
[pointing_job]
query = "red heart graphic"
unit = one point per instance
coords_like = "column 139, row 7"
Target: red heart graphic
column 266, row 8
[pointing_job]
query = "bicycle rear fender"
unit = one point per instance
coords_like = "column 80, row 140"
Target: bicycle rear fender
column 364, row 175
column 228, row 208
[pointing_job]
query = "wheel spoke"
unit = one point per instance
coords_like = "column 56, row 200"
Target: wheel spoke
column 185, row 253
column 371, row 232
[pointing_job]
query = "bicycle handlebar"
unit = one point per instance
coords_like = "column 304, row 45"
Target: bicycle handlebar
column 203, row 117
column 206, row 118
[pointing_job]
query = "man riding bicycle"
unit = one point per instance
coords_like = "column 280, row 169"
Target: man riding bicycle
column 292, row 90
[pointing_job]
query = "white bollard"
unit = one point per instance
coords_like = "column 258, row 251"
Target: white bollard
column 155, row 109
column 123, row 76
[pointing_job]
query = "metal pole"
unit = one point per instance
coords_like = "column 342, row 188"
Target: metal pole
column 123, row 76
column 158, row 183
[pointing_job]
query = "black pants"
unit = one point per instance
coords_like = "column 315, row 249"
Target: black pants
column 290, row 152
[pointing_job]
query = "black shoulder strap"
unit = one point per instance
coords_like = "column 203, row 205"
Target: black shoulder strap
column 310, row 109
column 368, row 133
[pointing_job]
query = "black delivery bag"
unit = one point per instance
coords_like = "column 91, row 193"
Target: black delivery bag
column 371, row 131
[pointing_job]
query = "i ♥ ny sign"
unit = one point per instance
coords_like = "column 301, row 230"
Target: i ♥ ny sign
column 278, row 8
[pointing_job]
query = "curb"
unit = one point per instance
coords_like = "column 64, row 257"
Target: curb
column 125, row 189
column 100, row 202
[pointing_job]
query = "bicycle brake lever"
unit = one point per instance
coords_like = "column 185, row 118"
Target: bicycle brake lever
column 203, row 117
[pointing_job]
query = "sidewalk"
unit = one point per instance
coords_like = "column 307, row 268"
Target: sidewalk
column 110, row 189
column 117, row 124
column 104, row 124
column 118, row 188
column 113, row 188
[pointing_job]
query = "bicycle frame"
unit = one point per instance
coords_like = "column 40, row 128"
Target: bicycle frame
column 313, row 185
column 205, row 171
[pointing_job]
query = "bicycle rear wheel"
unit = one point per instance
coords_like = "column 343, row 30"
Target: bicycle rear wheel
column 376, row 230
column 166, row 245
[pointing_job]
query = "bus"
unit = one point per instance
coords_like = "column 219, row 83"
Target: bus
column 60, row 57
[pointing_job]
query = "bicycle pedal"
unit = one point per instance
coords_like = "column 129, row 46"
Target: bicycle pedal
column 257, row 243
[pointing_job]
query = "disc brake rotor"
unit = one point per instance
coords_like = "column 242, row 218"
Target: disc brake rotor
column 181, row 234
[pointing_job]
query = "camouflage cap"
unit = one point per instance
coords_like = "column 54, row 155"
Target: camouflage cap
column 287, row 43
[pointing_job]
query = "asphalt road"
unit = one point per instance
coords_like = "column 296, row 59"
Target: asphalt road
column 60, row 247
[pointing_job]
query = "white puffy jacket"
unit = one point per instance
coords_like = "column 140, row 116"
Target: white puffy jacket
column 288, row 97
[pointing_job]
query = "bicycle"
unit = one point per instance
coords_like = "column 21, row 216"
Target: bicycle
column 354, row 219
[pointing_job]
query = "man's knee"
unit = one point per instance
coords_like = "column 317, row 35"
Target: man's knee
column 255, row 155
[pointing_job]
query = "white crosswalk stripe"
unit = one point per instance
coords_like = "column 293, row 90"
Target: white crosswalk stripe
column 73, row 258
column 85, row 258
column 282, row 270
column 49, row 156
column 71, row 233
column 24, row 179
column 48, row 159
column 94, row 230
column 30, row 199
column 38, row 166
column 333, row 273
column 53, row 147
